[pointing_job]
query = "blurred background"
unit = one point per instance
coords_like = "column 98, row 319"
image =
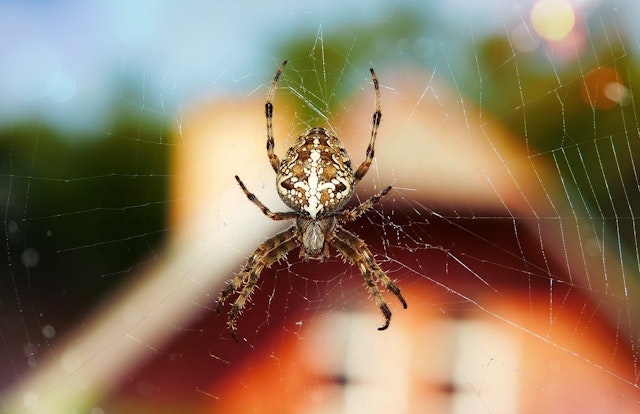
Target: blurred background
column 99, row 106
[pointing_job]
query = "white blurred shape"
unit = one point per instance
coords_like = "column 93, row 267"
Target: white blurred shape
column 63, row 87
column 134, row 23
column 28, row 71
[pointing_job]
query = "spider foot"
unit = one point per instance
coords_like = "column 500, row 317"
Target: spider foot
column 396, row 291
column 387, row 315
column 224, row 295
column 232, row 331
column 234, row 314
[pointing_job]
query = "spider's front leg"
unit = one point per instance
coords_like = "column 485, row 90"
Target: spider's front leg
column 377, row 116
column 273, row 158
column 265, row 210
column 354, row 213
column 244, row 283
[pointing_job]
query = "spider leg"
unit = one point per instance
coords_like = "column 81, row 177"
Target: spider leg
column 377, row 115
column 289, row 215
column 273, row 158
column 357, row 252
column 244, row 283
column 354, row 213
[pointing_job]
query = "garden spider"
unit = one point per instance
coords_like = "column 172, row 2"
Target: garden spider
column 315, row 180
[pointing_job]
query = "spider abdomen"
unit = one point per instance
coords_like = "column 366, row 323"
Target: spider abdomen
column 316, row 175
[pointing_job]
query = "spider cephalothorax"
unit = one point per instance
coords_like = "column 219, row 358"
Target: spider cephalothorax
column 316, row 180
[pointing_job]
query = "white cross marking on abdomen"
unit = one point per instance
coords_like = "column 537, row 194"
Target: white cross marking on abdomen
column 313, row 188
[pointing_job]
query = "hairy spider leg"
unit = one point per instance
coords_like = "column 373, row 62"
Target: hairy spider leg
column 289, row 215
column 244, row 283
column 273, row 158
column 354, row 213
column 377, row 116
column 356, row 251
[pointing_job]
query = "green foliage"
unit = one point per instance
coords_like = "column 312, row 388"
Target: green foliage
column 91, row 211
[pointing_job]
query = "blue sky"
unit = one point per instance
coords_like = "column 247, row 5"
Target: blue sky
column 68, row 62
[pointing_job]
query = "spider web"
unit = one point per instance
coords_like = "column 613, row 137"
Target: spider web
column 511, row 230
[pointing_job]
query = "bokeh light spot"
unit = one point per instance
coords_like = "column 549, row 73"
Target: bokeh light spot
column 29, row 71
column 616, row 92
column 603, row 88
column 553, row 19
column 30, row 257
column 523, row 40
column 48, row 331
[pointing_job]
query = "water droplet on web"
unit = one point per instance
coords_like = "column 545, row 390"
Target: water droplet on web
column 30, row 257
column 48, row 331
column 14, row 233
column 30, row 349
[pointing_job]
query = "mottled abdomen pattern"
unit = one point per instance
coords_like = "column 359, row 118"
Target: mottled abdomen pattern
column 316, row 175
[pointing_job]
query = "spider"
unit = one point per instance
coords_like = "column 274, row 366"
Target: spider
column 316, row 180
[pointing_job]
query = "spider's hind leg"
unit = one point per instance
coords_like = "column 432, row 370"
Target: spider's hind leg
column 244, row 283
column 357, row 252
